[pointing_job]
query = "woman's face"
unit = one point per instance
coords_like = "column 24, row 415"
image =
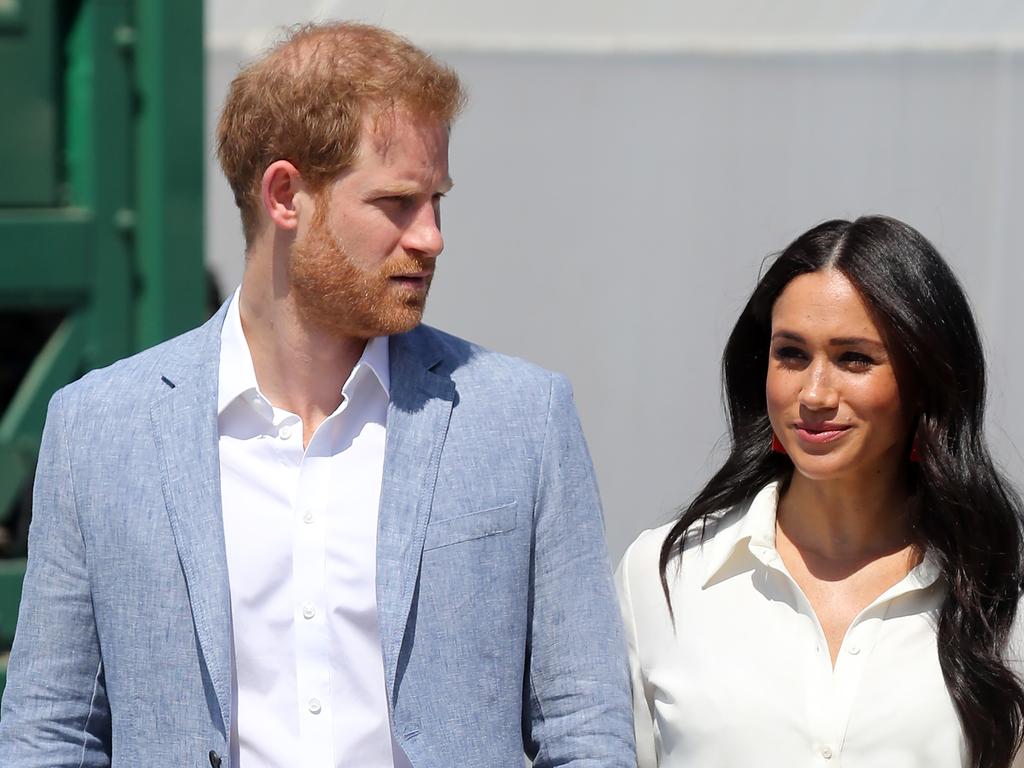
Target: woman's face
column 833, row 399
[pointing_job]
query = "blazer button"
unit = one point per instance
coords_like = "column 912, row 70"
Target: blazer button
column 214, row 759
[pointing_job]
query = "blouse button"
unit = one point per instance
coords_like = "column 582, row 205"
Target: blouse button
column 826, row 753
column 854, row 650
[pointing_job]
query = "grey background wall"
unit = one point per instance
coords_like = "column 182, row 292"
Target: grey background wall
column 620, row 178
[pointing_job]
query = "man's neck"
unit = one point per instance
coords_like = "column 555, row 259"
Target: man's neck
column 300, row 367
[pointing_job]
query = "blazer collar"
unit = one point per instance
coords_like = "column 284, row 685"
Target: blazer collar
column 184, row 422
column 418, row 417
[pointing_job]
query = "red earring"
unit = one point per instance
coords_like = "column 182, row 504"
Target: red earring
column 915, row 454
column 777, row 446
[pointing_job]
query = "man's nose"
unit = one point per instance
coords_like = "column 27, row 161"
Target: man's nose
column 423, row 235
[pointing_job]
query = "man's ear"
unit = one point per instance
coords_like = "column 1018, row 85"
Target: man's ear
column 280, row 192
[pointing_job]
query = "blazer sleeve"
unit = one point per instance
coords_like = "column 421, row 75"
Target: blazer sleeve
column 576, row 688
column 643, row 714
column 54, row 712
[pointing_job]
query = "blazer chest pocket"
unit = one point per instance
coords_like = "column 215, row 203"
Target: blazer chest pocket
column 475, row 525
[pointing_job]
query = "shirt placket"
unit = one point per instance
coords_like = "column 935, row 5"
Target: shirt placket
column 826, row 716
column 833, row 692
column 312, row 663
column 851, row 664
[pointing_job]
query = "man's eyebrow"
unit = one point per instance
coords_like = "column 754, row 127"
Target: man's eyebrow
column 395, row 189
column 409, row 189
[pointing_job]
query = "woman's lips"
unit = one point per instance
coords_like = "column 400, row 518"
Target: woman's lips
column 824, row 433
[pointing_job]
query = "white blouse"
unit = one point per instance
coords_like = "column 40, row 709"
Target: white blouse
column 744, row 678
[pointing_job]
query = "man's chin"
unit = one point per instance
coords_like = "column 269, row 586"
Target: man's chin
column 401, row 318
column 391, row 324
column 392, row 329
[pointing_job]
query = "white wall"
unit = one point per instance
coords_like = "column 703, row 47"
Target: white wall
column 642, row 25
column 620, row 177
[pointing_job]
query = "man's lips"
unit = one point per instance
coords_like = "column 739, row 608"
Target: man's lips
column 413, row 278
column 820, row 433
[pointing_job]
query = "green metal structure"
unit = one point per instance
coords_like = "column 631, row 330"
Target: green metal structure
column 101, row 212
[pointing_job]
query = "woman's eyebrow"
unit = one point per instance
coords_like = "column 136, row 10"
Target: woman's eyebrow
column 850, row 341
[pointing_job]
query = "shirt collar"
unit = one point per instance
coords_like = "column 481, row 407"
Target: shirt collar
column 376, row 356
column 754, row 534
column 924, row 574
column 237, row 377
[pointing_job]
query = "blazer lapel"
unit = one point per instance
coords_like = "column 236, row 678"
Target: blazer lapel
column 418, row 417
column 185, row 425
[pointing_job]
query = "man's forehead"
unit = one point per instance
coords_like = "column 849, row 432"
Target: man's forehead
column 382, row 127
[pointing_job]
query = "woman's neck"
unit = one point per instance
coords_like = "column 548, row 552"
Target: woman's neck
column 847, row 521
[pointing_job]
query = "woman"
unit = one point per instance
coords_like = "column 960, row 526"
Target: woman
column 843, row 590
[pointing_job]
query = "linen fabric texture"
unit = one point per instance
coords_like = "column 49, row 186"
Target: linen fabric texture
column 495, row 601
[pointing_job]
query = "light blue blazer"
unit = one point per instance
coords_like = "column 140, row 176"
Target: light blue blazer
column 498, row 624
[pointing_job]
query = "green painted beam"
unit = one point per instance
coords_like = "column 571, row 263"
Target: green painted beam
column 16, row 466
column 28, row 90
column 22, row 423
column 169, row 77
column 12, row 573
column 46, row 260
column 101, row 157
column 125, row 258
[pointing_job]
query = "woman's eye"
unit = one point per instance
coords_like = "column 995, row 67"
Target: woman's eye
column 790, row 355
column 856, row 360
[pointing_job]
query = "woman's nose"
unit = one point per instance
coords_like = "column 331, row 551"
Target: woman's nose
column 818, row 392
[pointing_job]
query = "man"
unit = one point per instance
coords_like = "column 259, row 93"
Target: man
column 313, row 532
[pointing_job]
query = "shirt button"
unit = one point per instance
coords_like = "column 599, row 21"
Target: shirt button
column 284, row 432
column 854, row 650
column 826, row 753
column 314, row 706
column 308, row 611
column 307, row 517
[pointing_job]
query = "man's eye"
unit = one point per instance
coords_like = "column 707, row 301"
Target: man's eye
column 396, row 201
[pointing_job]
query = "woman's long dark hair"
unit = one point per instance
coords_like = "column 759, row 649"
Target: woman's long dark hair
column 967, row 516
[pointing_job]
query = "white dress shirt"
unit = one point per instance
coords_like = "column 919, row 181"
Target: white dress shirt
column 300, row 530
column 745, row 677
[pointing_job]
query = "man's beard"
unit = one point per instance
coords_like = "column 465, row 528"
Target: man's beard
column 331, row 290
